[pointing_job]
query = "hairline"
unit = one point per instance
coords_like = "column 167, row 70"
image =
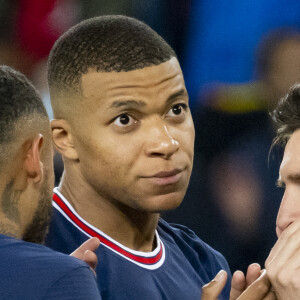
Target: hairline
column 56, row 94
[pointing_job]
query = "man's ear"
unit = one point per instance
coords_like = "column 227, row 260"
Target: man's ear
column 63, row 140
column 33, row 164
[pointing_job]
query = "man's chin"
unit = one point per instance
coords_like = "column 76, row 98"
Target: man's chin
column 165, row 203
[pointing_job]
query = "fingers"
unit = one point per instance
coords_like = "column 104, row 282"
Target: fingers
column 213, row 289
column 285, row 277
column 238, row 284
column 270, row 296
column 86, row 252
column 91, row 244
column 286, row 244
column 253, row 272
column 283, row 263
column 259, row 289
column 91, row 259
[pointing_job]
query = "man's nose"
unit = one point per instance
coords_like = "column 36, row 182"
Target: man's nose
column 160, row 142
column 287, row 213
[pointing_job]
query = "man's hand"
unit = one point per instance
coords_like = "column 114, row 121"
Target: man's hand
column 240, row 282
column 86, row 252
column 283, row 263
column 260, row 289
column 213, row 289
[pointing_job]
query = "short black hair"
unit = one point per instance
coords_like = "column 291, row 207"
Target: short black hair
column 18, row 100
column 106, row 44
column 287, row 115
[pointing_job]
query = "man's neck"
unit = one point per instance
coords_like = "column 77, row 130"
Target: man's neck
column 9, row 209
column 129, row 227
column 10, row 229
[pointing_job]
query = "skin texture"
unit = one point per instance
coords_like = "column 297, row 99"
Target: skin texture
column 128, row 150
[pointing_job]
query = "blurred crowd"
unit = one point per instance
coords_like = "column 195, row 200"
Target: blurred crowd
column 238, row 61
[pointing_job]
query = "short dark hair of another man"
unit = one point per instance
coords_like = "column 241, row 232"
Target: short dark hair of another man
column 287, row 115
column 21, row 110
column 22, row 118
column 104, row 44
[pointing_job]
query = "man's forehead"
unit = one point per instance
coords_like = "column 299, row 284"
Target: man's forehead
column 291, row 157
column 94, row 82
column 294, row 142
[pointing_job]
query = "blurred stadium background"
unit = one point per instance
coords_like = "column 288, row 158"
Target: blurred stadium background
column 238, row 59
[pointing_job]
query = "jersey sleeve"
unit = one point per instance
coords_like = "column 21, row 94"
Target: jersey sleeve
column 77, row 284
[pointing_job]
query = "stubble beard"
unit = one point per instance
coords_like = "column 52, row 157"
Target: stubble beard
column 37, row 230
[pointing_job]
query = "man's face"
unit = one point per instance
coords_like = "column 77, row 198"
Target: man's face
column 134, row 136
column 289, row 176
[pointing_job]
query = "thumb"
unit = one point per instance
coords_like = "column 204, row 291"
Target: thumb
column 212, row 290
column 91, row 259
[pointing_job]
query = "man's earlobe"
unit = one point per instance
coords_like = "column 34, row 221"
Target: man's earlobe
column 63, row 140
column 33, row 164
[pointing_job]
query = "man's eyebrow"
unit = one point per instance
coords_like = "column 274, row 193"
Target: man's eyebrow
column 176, row 95
column 140, row 103
column 127, row 103
column 294, row 176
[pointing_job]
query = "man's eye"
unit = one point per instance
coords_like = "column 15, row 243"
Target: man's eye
column 177, row 110
column 124, row 120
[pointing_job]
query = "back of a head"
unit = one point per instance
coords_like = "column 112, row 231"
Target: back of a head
column 103, row 44
column 22, row 110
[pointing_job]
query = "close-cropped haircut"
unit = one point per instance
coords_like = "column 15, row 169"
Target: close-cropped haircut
column 19, row 101
column 287, row 116
column 104, row 44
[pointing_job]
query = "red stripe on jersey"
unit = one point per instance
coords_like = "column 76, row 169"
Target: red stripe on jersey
column 93, row 233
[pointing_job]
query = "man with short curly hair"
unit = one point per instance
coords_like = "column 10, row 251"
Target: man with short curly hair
column 124, row 128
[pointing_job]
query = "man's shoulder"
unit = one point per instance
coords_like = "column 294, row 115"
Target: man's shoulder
column 18, row 252
column 203, row 258
column 189, row 243
column 32, row 271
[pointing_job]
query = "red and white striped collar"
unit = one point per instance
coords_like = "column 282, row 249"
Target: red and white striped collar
column 149, row 260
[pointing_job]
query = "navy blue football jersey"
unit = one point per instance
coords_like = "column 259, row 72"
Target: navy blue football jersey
column 177, row 269
column 31, row 271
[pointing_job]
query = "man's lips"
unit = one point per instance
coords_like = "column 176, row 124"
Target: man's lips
column 165, row 177
column 166, row 173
